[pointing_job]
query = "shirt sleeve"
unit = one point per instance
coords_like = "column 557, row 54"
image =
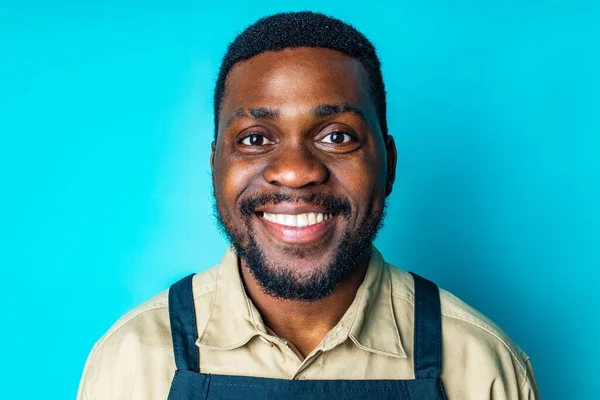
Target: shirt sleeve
column 529, row 389
column 82, row 393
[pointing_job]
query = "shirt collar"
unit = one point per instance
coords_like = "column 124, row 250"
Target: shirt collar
column 369, row 321
column 233, row 319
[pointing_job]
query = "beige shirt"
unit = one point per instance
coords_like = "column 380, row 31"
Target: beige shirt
column 373, row 340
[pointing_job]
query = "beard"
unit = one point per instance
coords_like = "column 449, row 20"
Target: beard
column 283, row 281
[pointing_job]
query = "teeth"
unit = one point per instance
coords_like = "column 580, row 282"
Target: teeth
column 290, row 220
column 298, row 220
column 302, row 220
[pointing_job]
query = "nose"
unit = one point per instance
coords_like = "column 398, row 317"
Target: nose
column 296, row 168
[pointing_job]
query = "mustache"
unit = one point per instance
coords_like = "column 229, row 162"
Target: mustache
column 252, row 202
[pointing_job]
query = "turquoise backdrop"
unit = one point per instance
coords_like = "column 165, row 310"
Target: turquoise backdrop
column 106, row 125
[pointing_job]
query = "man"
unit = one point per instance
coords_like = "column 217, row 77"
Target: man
column 302, row 306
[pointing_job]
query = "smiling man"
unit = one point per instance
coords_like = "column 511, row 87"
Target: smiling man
column 303, row 306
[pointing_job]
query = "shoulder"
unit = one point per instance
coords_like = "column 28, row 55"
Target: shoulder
column 470, row 339
column 139, row 338
column 152, row 316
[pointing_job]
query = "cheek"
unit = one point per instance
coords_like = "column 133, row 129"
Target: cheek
column 364, row 180
column 233, row 178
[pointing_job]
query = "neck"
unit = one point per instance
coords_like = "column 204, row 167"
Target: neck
column 304, row 323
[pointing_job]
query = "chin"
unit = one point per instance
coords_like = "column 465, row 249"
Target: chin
column 298, row 270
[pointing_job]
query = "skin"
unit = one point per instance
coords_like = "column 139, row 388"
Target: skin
column 299, row 152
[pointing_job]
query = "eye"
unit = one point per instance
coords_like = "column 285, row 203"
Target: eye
column 256, row 139
column 337, row 138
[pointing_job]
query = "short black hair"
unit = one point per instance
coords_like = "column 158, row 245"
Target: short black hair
column 304, row 29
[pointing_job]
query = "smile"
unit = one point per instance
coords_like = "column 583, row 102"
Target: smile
column 304, row 228
column 299, row 220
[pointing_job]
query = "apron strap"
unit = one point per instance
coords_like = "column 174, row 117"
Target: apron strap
column 428, row 329
column 182, row 317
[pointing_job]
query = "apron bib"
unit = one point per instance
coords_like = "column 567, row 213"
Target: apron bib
column 190, row 384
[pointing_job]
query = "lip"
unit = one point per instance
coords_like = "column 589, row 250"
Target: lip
column 299, row 235
column 294, row 209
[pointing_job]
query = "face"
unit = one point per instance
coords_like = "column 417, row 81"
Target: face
column 300, row 169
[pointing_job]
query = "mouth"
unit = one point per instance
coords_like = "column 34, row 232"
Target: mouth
column 297, row 220
column 299, row 228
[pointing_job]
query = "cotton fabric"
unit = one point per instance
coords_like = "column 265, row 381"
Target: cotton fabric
column 373, row 340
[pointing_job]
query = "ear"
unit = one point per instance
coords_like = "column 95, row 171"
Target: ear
column 392, row 156
column 212, row 158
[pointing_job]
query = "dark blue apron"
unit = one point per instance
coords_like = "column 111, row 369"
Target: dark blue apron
column 190, row 384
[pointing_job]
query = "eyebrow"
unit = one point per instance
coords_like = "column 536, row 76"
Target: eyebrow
column 319, row 111
column 258, row 113
column 326, row 110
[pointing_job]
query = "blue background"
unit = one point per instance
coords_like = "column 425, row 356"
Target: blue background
column 106, row 125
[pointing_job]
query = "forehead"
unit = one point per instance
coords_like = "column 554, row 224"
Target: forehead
column 296, row 78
